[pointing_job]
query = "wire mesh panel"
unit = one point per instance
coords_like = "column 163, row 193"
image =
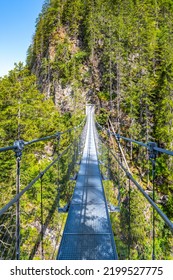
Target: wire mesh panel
column 8, row 234
column 87, row 247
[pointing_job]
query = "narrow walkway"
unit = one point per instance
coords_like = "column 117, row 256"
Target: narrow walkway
column 88, row 233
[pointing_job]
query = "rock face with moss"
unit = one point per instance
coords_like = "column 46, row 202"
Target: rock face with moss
column 115, row 54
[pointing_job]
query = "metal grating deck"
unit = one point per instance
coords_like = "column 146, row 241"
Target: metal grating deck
column 88, row 233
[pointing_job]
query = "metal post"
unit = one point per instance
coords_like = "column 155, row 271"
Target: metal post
column 152, row 157
column 41, row 218
column 153, row 182
column 19, row 144
column 18, row 211
column 75, row 151
column 129, row 226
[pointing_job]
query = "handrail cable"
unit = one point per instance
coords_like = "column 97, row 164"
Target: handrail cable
column 118, row 136
column 129, row 175
column 25, row 143
column 18, row 196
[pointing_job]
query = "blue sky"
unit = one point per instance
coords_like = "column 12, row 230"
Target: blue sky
column 17, row 26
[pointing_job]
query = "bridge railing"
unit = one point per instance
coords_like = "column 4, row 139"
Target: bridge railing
column 131, row 195
column 32, row 221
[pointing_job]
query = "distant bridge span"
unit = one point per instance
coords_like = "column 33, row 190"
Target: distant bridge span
column 88, row 232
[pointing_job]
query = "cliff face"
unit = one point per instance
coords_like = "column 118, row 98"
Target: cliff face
column 59, row 59
column 115, row 54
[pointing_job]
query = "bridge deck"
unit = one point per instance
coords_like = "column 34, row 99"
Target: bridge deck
column 88, row 233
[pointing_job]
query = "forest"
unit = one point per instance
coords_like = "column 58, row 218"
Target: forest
column 117, row 55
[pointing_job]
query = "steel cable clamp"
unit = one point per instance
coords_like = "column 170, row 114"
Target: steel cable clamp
column 19, row 146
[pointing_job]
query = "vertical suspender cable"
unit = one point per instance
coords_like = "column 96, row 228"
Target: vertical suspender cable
column 42, row 222
column 75, row 151
column 18, row 209
column 118, row 177
column 153, row 183
column 58, row 179
column 152, row 157
column 19, row 144
column 129, row 221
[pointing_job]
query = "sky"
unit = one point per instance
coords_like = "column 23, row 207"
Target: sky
column 17, row 26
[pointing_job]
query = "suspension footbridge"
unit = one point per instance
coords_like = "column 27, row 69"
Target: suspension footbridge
column 63, row 212
column 88, row 232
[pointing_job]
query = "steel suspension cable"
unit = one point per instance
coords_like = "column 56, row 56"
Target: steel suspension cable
column 116, row 135
column 26, row 143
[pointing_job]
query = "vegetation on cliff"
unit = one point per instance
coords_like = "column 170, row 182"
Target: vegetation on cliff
column 117, row 55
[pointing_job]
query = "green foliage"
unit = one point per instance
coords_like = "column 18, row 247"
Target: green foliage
column 102, row 118
column 120, row 52
column 26, row 114
column 104, row 96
